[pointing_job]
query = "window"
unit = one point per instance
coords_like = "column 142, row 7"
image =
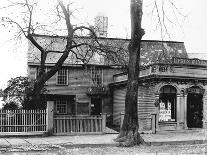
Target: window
column 62, row 76
column 167, row 104
column 61, row 106
column 83, row 108
column 38, row 71
column 96, row 76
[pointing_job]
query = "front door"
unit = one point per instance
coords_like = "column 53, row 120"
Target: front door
column 96, row 106
column 194, row 110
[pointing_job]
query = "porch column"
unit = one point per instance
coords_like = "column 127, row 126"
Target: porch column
column 179, row 111
column 103, row 115
column 205, row 111
column 49, row 120
column 185, row 111
column 157, row 114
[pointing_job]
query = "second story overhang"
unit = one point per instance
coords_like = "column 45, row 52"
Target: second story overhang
column 182, row 69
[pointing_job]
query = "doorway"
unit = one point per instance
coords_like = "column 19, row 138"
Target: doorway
column 194, row 110
column 167, row 104
column 96, row 106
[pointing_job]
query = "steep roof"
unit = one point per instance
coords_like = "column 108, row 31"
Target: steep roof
column 151, row 51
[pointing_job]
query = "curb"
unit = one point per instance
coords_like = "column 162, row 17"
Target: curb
column 117, row 144
column 150, row 144
column 178, row 142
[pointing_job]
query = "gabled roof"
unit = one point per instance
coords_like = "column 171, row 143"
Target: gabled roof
column 151, row 51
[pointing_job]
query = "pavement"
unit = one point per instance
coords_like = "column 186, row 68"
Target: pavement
column 161, row 138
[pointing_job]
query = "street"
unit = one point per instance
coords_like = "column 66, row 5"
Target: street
column 105, row 149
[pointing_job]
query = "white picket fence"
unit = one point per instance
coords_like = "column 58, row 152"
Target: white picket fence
column 19, row 121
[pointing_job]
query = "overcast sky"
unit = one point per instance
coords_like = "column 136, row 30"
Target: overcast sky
column 193, row 31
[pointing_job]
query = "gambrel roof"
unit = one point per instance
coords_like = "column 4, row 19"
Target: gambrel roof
column 151, row 51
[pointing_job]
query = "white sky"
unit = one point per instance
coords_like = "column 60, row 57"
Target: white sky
column 193, row 31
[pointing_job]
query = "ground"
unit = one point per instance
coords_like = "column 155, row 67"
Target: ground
column 105, row 150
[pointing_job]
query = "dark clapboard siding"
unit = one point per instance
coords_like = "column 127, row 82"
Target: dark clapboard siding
column 78, row 83
column 146, row 98
column 118, row 104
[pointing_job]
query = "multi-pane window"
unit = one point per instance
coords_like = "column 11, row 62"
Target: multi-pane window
column 62, row 76
column 61, row 106
column 38, row 72
column 96, row 76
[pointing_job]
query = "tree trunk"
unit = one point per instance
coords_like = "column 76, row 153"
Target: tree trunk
column 129, row 134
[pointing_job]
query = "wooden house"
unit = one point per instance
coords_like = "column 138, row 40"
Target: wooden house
column 77, row 88
column 167, row 75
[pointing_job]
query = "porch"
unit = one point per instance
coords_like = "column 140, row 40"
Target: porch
column 74, row 125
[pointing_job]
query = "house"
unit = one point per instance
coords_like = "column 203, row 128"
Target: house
column 77, row 88
column 166, row 75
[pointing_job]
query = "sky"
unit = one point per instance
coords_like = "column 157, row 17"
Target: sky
column 192, row 31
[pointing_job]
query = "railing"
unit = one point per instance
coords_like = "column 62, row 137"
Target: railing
column 64, row 125
column 22, row 121
column 174, row 70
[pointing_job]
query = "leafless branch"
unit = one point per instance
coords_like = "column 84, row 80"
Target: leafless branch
column 30, row 10
column 67, row 19
column 178, row 10
column 10, row 21
column 77, row 57
column 86, row 28
column 163, row 19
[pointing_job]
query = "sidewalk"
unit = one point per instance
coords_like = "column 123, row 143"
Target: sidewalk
column 106, row 139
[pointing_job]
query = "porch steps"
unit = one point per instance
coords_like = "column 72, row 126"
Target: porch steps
column 110, row 131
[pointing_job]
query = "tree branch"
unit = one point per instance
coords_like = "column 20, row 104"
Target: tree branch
column 34, row 42
column 30, row 9
column 10, row 21
column 84, row 27
column 67, row 19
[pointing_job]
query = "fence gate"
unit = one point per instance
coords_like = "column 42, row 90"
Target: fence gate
column 22, row 122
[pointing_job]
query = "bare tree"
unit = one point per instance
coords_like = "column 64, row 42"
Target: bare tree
column 129, row 134
column 74, row 46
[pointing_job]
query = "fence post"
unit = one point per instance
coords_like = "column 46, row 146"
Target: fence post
column 122, row 118
column 50, row 112
column 103, row 122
